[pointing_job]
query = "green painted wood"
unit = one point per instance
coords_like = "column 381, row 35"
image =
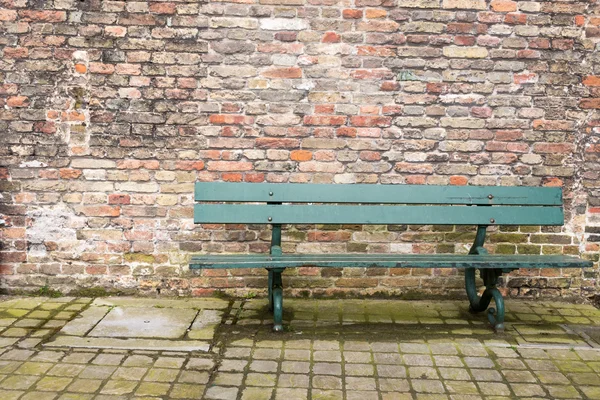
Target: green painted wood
column 367, row 214
column 378, row 194
column 388, row 261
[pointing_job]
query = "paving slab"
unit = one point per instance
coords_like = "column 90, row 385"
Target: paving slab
column 135, row 324
column 145, row 322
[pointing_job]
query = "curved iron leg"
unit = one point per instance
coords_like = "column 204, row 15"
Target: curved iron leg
column 476, row 303
column 496, row 320
column 480, row 303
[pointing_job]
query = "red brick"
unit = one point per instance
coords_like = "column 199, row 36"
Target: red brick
column 232, row 177
column 590, row 103
column 562, row 44
column 553, row 125
column 284, row 73
column 346, row 131
column 528, row 54
column 96, row 270
column 370, row 121
column 464, row 40
column 13, row 256
column 459, row 180
column 376, row 51
column 138, row 19
column 100, row 211
column 301, row 155
column 42, row 16
column 515, row 19
column 369, row 155
column 539, row 43
column 69, row 116
column 6, row 269
column 276, row 143
column 392, row 110
column 100, row 68
column 230, row 119
column 580, row 20
column 16, row 52
column 325, row 119
column 8, row 15
column 481, row 112
column 286, row 36
column 375, row 13
column 553, row 182
column 525, row 78
column 17, row 101
column 230, row 166
column 13, row 233
column 508, row 135
column 389, row 86
column 324, row 108
column 189, row 165
column 591, row 80
column 162, row 8
column 69, row 173
column 48, row 174
column 119, row 199
column 503, row 6
column 331, row 37
column 329, row 236
column 254, row 177
column 352, row 13
column 136, row 164
column 80, row 68
column 553, row 148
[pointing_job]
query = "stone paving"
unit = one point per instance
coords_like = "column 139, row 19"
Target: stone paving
column 332, row 349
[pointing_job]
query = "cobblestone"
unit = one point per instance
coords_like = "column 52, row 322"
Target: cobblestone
column 332, row 361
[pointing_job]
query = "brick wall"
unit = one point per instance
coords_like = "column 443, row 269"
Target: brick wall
column 110, row 110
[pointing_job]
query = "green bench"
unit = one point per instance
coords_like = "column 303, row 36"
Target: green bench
column 288, row 203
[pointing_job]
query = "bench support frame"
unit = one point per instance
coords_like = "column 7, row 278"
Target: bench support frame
column 478, row 303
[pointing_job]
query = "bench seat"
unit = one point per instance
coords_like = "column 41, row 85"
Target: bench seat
column 491, row 261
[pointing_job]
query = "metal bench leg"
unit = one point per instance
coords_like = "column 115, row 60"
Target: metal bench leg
column 276, row 300
column 270, row 290
column 480, row 303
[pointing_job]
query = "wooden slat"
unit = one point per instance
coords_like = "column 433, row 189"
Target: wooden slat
column 388, row 261
column 366, row 214
column 379, row 194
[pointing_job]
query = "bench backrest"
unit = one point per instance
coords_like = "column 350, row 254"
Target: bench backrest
column 293, row 203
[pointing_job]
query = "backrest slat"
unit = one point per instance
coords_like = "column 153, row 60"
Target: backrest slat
column 376, row 194
column 372, row 214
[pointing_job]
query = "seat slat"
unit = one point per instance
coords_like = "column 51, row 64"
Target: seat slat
column 367, row 214
column 388, row 261
column 376, row 194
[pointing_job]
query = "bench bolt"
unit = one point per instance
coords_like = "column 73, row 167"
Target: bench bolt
column 490, row 196
column 492, row 220
column 270, row 193
column 270, row 219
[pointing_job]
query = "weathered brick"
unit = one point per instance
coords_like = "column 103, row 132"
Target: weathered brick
column 464, row 4
column 465, row 52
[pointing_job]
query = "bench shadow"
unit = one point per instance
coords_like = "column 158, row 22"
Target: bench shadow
column 536, row 323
